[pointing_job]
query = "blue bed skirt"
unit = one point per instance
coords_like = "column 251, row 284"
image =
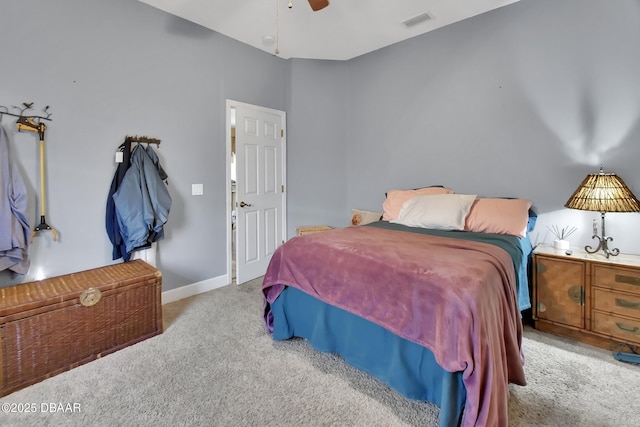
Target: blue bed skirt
column 405, row 366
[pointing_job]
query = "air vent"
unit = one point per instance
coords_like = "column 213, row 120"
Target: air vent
column 418, row 19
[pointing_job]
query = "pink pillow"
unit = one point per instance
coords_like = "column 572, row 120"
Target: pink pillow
column 500, row 216
column 396, row 198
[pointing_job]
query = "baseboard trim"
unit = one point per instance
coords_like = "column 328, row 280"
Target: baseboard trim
column 187, row 291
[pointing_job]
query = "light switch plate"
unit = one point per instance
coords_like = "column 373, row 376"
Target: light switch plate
column 197, row 189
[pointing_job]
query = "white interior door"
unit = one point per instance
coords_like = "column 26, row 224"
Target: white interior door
column 260, row 202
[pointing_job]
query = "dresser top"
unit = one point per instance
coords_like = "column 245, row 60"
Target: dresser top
column 581, row 254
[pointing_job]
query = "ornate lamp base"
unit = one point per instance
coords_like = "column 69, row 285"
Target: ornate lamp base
column 603, row 242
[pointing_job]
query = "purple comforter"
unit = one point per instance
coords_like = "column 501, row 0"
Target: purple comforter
column 455, row 297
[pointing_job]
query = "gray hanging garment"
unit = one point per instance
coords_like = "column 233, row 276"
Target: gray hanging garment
column 15, row 234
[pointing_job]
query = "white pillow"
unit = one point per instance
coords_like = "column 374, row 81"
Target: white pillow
column 438, row 211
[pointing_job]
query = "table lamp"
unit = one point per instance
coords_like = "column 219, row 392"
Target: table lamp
column 603, row 192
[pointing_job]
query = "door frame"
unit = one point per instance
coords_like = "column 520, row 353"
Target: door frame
column 283, row 115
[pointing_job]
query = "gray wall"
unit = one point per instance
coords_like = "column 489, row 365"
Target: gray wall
column 316, row 149
column 523, row 101
column 116, row 68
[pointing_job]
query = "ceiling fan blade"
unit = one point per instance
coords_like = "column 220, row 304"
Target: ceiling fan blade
column 318, row 4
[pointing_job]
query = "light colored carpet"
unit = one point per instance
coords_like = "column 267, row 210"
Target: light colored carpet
column 215, row 365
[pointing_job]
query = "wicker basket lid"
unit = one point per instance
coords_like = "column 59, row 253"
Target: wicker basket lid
column 40, row 293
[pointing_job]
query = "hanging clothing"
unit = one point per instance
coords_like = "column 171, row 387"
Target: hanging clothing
column 14, row 226
column 111, row 220
column 142, row 202
column 161, row 203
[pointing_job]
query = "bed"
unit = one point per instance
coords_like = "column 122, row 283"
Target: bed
column 433, row 313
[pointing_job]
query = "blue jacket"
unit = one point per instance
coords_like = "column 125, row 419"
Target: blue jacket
column 14, row 227
column 142, row 202
column 111, row 219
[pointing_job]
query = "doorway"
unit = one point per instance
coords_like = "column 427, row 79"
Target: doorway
column 256, row 197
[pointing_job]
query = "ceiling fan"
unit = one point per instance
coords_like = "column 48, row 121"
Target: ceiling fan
column 318, row 4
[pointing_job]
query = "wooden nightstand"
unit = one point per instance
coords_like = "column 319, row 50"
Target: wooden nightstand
column 588, row 297
column 310, row 229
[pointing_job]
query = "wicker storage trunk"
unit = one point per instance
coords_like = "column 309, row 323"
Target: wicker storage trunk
column 52, row 325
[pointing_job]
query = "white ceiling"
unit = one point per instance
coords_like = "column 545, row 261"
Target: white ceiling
column 343, row 30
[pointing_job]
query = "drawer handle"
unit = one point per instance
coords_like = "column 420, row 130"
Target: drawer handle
column 576, row 294
column 628, row 279
column 627, row 304
column 627, row 328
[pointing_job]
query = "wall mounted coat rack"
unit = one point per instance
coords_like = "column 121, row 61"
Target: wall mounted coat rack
column 144, row 140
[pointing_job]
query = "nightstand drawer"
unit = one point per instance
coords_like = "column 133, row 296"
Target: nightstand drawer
column 618, row 327
column 613, row 302
column 616, row 278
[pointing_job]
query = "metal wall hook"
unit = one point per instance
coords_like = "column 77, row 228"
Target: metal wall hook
column 27, row 106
